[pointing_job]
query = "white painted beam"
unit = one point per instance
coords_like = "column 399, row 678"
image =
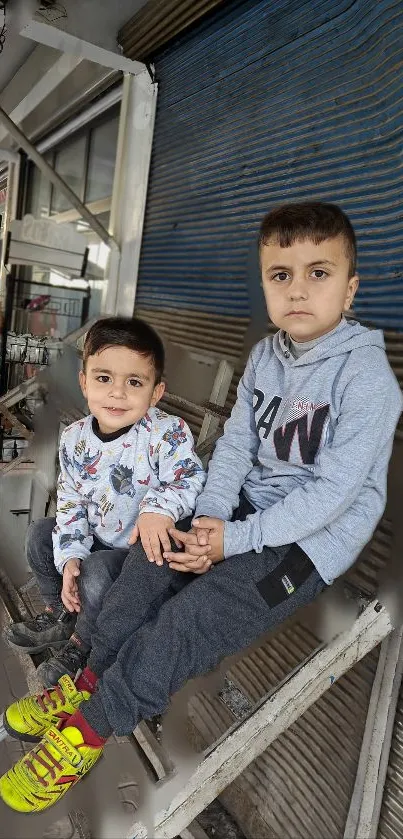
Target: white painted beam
column 247, row 740
column 54, row 75
column 43, row 33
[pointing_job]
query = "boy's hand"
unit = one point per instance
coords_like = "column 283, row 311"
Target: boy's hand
column 153, row 531
column 211, row 531
column 70, row 596
column 198, row 556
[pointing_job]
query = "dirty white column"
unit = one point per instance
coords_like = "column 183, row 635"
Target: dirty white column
column 129, row 196
column 10, row 208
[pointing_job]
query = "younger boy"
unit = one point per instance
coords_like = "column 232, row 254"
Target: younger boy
column 304, row 458
column 127, row 465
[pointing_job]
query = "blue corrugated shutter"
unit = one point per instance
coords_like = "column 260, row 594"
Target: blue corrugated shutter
column 265, row 102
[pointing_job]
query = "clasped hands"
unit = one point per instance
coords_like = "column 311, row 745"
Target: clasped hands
column 202, row 546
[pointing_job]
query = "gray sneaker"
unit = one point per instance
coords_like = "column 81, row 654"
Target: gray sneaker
column 71, row 660
column 49, row 629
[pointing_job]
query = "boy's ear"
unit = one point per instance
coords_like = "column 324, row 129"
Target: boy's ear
column 353, row 284
column 83, row 383
column 158, row 393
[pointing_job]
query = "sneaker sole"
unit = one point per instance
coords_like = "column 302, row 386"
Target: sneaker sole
column 40, row 648
column 7, row 731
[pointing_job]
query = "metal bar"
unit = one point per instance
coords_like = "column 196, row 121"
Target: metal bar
column 101, row 105
column 56, row 180
column 8, row 313
column 56, row 287
column 85, row 308
column 17, row 272
column 245, row 741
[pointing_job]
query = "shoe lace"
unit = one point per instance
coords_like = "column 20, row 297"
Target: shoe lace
column 50, row 766
column 46, row 698
column 72, row 655
column 44, row 619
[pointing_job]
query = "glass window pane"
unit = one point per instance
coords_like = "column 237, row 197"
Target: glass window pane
column 39, row 189
column 70, row 164
column 101, row 162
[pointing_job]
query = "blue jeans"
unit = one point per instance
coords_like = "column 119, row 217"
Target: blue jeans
column 98, row 572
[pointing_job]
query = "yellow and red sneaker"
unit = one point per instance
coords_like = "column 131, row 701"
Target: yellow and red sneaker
column 31, row 717
column 45, row 774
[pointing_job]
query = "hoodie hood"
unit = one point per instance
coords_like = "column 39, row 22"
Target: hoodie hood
column 347, row 336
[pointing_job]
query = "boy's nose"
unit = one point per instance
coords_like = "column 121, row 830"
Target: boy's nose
column 117, row 390
column 298, row 289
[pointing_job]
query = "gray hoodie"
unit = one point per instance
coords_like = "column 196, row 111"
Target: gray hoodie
column 308, row 442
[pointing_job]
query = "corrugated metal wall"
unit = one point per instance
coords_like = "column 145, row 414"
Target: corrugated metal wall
column 269, row 101
column 157, row 22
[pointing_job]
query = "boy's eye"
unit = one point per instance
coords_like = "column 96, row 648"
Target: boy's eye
column 103, row 379
column 281, row 276
column 134, row 383
column 319, row 274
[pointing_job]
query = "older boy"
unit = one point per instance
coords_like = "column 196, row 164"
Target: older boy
column 304, row 455
column 127, row 465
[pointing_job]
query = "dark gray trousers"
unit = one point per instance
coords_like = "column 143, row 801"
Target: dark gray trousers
column 97, row 574
column 158, row 628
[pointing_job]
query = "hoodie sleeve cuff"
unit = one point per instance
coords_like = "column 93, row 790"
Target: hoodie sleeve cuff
column 237, row 538
column 206, row 507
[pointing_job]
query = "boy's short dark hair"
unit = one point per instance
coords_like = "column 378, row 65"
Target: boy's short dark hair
column 133, row 333
column 314, row 220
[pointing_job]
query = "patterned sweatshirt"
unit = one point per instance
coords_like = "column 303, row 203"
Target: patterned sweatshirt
column 105, row 483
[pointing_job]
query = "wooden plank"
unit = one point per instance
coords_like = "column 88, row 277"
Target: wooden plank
column 366, row 801
column 21, row 391
column 218, row 396
column 248, row 739
column 15, row 423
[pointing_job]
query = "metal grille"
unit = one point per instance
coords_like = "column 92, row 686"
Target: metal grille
column 264, row 102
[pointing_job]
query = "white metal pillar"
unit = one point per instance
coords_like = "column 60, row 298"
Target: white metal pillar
column 13, row 173
column 129, row 195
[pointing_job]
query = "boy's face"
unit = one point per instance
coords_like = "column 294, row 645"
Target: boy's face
column 307, row 286
column 119, row 386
